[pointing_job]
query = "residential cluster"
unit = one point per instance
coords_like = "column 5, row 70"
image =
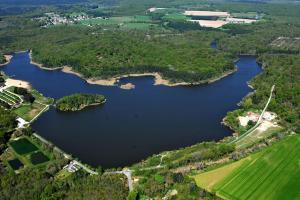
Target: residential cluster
column 50, row 19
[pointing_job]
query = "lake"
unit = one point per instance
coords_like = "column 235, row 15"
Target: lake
column 134, row 124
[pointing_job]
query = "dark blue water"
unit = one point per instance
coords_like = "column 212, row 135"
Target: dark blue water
column 134, row 124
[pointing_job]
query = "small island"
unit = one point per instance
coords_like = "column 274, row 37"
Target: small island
column 76, row 102
column 128, row 86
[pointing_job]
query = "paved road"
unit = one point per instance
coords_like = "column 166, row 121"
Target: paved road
column 45, row 108
column 128, row 174
column 85, row 168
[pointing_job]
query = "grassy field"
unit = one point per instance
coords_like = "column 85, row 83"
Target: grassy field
column 139, row 26
column 256, row 136
column 269, row 174
column 141, row 22
column 249, row 15
column 176, row 17
column 29, row 111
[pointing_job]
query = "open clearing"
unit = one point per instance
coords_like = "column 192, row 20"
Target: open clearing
column 273, row 173
column 29, row 111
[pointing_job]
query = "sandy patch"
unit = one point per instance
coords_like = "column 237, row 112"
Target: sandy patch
column 17, row 83
column 128, row 86
column 265, row 125
column 210, row 23
column 106, row 82
column 243, row 120
column 206, row 13
column 7, row 58
column 158, row 79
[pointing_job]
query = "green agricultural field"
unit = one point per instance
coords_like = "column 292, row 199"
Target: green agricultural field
column 141, row 18
column 269, row 174
column 139, row 26
column 248, row 15
column 23, row 146
column 140, row 22
column 176, row 17
column 108, row 21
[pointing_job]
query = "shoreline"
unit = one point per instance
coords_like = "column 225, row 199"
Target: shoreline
column 158, row 79
column 83, row 106
column 7, row 60
column 41, row 65
column 10, row 82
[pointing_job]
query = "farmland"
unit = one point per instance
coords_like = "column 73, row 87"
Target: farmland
column 276, row 168
column 140, row 22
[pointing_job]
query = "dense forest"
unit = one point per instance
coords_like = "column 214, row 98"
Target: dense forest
column 180, row 52
column 284, row 72
column 7, row 124
column 2, row 58
column 39, row 184
column 178, row 57
column 78, row 101
column 7, row 121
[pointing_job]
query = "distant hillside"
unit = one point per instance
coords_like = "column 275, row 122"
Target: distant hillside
column 39, row 2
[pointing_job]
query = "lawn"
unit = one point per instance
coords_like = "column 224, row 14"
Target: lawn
column 40, row 98
column 142, row 18
column 28, row 112
column 62, row 174
column 269, row 174
column 141, row 22
column 23, row 146
column 249, row 15
column 176, row 17
column 139, row 26
column 257, row 135
column 108, row 21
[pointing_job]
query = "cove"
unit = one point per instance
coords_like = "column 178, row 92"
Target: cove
column 133, row 124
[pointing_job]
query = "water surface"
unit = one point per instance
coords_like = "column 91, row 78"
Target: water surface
column 133, row 124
